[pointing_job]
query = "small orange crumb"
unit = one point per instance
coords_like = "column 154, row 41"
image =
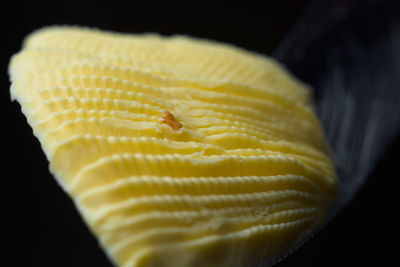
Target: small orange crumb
column 169, row 118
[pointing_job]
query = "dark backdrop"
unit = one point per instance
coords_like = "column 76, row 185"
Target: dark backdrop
column 42, row 227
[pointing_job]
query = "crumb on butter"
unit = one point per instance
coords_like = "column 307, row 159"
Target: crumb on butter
column 169, row 118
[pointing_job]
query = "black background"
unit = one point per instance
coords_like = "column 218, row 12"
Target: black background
column 42, row 227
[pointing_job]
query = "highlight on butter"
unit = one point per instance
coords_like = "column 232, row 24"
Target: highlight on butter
column 177, row 151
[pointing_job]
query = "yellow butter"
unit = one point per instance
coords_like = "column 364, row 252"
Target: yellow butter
column 177, row 151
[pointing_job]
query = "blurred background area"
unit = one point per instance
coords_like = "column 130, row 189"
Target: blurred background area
column 347, row 47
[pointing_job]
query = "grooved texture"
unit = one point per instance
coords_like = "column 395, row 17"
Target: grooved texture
column 177, row 151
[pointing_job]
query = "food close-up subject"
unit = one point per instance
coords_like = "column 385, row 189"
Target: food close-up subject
column 176, row 151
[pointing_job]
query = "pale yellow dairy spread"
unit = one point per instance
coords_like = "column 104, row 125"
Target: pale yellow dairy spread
column 177, row 151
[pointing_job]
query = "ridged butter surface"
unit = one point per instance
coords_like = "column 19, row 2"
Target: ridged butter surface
column 177, row 151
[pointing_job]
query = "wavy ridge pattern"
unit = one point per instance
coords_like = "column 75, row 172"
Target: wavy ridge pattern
column 177, row 151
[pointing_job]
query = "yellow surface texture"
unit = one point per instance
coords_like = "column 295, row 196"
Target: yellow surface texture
column 177, row 151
